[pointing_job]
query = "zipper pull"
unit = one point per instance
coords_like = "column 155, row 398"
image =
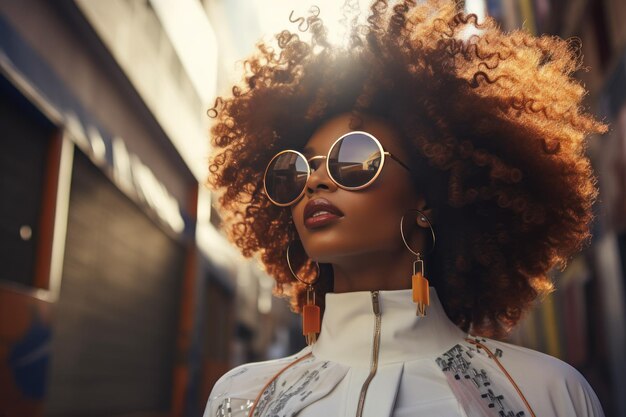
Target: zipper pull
column 376, row 302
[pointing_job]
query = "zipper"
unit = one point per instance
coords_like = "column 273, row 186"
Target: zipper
column 375, row 350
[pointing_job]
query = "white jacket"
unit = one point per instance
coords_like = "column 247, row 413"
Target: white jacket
column 424, row 366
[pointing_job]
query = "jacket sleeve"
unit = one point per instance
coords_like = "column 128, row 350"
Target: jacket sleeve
column 224, row 389
column 571, row 395
column 211, row 406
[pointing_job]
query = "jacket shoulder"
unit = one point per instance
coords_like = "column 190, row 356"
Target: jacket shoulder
column 243, row 383
column 551, row 385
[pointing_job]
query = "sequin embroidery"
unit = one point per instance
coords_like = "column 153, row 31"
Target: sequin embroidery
column 457, row 362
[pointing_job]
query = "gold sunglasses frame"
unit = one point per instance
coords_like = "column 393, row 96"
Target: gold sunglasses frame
column 382, row 151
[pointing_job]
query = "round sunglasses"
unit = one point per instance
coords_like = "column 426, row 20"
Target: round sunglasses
column 354, row 161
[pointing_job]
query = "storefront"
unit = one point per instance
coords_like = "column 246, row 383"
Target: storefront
column 98, row 221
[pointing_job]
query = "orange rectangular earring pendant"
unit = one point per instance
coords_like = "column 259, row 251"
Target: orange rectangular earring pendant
column 311, row 322
column 421, row 294
column 310, row 318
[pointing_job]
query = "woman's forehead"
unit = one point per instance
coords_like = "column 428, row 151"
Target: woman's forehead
column 328, row 132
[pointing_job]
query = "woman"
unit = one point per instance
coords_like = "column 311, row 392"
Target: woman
column 415, row 187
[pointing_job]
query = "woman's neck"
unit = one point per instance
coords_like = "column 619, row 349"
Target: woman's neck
column 369, row 272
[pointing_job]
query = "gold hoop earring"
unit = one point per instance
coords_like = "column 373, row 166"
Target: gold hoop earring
column 419, row 282
column 311, row 323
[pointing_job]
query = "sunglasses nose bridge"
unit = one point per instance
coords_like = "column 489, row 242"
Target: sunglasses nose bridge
column 315, row 166
column 316, row 157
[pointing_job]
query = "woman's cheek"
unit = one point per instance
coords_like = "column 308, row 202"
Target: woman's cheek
column 377, row 226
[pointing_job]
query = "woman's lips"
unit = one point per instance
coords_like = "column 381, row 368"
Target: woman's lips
column 320, row 220
column 320, row 212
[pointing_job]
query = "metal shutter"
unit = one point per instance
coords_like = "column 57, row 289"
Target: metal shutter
column 115, row 323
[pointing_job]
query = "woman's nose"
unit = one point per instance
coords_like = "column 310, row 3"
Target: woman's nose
column 319, row 179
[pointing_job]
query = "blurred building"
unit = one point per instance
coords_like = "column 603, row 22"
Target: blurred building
column 584, row 321
column 118, row 295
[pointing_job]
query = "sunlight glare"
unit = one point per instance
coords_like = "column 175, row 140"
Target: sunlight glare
column 276, row 18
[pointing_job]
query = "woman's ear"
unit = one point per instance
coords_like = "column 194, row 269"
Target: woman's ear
column 426, row 211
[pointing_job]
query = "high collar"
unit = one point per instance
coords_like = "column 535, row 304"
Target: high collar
column 348, row 328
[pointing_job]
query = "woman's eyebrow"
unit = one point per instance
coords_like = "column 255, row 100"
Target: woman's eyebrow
column 307, row 151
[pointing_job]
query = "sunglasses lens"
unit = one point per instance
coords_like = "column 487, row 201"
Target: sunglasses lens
column 286, row 177
column 354, row 160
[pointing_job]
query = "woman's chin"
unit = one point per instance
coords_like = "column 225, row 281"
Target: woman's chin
column 330, row 254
